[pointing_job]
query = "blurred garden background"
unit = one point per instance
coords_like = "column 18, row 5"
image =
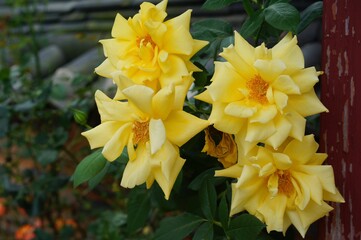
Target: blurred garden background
column 48, row 52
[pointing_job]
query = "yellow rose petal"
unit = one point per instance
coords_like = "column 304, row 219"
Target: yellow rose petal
column 114, row 147
column 137, row 171
column 283, row 127
column 101, row 134
column 259, row 131
column 121, row 29
column 181, row 126
column 305, row 79
column 157, row 134
column 105, row 69
column 306, row 104
column 163, row 102
column 141, row 97
column 307, row 147
column 286, row 84
column 230, row 84
column 224, row 122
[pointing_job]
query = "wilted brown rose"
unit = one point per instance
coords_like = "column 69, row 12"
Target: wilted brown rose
column 225, row 150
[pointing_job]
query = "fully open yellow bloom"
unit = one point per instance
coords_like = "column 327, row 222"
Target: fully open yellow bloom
column 262, row 95
column 284, row 187
column 152, row 126
column 149, row 50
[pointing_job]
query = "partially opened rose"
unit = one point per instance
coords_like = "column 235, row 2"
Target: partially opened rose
column 149, row 50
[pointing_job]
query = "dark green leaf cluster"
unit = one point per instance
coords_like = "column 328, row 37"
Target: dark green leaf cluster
column 268, row 19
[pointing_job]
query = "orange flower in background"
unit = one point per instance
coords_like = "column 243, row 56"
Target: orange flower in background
column 225, row 149
column 60, row 223
column 2, row 207
column 25, row 232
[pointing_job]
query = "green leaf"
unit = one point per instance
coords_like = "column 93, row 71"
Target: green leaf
column 214, row 31
column 94, row 181
column 223, row 212
column 25, row 106
column 177, row 228
column 196, row 184
column 47, row 156
column 311, row 13
column 205, row 231
column 201, row 78
column 4, row 120
column 245, row 226
column 138, row 209
column 89, row 167
column 59, row 92
column 252, row 24
column 208, row 198
column 211, row 29
column 282, row 16
column 271, row 2
column 217, row 4
column 226, row 42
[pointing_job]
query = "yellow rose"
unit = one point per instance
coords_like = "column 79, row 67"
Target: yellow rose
column 285, row 186
column 152, row 125
column 149, row 50
column 262, row 95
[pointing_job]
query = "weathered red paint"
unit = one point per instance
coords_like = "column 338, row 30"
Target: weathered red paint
column 341, row 127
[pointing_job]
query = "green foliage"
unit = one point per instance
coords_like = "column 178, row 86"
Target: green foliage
column 138, row 209
column 252, row 24
column 34, row 128
column 311, row 13
column 208, row 200
column 205, row 231
column 282, row 16
column 219, row 34
column 108, row 226
column 266, row 19
column 217, row 4
column 245, row 226
column 89, row 167
column 4, row 120
column 223, row 212
column 177, row 227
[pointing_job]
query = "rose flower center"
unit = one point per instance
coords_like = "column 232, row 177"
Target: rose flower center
column 143, row 41
column 257, row 89
column 284, row 182
column 140, row 131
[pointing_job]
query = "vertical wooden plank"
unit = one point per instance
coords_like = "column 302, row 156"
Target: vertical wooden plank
column 341, row 127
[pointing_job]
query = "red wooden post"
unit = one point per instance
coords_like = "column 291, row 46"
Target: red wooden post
column 341, row 127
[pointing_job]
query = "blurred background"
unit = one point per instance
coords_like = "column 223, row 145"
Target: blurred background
column 48, row 52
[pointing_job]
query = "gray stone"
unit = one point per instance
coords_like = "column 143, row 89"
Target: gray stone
column 64, row 76
column 310, row 34
column 312, row 54
column 50, row 58
column 73, row 45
